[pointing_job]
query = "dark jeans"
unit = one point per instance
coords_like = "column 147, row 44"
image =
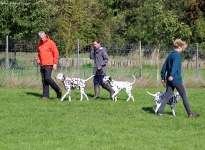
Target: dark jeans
column 47, row 80
column 98, row 80
column 182, row 91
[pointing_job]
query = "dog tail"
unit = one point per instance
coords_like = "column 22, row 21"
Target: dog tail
column 134, row 79
column 88, row 78
column 150, row 93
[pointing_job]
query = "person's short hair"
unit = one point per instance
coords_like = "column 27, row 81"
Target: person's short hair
column 96, row 40
column 180, row 43
column 41, row 33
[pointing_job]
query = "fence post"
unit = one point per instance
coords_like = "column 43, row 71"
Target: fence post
column 78, row 59
column 7, row 56
column 113, row 50
column 197, row 63
column 158, row 62
column 140, row 47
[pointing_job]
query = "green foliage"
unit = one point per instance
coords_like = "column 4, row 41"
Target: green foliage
column 156, row 25
column 69, row 24
column 88, row 65
column 125, row 21
column 198, row 30
column 24, row 19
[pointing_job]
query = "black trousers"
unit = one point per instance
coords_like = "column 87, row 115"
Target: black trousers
column 182, row 91
column 47, row 80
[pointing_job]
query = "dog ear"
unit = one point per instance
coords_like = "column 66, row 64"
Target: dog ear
column 110, row 78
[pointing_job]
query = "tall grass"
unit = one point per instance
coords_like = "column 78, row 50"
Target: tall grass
column 27, row 122
column 26, row 73
column 31, row 78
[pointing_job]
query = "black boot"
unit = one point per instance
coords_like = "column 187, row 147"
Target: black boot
column 109, row 89
column 59, row 93
column 97, row 91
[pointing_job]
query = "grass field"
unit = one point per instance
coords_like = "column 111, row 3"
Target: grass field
column 29, row 123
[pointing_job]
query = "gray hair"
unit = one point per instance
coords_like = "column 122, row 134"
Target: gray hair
column 41, row 33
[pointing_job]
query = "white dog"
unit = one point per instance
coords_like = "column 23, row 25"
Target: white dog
column 117, row 86
column 73, row 83
column 159, row 97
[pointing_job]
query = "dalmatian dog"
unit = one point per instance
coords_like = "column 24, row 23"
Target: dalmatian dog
column 159, row 97
column 117, row 86
column 71, row 84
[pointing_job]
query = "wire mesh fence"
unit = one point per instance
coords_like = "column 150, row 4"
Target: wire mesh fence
column 140, row 59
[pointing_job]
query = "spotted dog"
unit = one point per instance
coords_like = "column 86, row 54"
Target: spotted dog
column 71, row 84
column 117, row 86
column 159, row 97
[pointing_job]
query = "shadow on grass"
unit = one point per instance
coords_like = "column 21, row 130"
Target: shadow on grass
column 148, row 109
column 151, row 111
column 34, row 94
column 101, row 97
column 90, row 96
column 37, row 95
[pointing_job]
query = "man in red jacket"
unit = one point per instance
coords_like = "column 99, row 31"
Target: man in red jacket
column 47, row 58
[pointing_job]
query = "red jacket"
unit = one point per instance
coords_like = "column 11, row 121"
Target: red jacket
column 47, row 52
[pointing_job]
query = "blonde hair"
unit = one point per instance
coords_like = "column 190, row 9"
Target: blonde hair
column 180, row 43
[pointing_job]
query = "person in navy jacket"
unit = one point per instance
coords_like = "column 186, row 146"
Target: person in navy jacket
column 171, row 74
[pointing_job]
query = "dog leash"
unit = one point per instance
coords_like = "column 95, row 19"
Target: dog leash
column 163, row 83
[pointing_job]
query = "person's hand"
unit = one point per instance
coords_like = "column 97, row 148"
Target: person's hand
column 54, row 66
column 163, row 81
column 170, row 78
column 99, row 68
column 38, row 61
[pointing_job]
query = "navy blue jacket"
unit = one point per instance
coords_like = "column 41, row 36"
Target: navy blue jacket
column 172, row 67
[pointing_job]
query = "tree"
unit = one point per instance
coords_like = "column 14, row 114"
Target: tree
column 69, row 22
column 151, row 22
column 24, row 19
column 123, row 21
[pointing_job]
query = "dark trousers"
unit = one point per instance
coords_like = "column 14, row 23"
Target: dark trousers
column 47, row 80
column 182, row 91
column 98, row 80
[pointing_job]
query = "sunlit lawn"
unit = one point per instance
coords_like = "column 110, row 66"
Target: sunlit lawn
column 27, row 122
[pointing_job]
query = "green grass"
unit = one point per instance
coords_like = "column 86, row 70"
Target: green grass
column 27, row 122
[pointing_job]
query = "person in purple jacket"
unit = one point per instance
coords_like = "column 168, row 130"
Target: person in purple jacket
column 171, row 74
column 100, row 57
